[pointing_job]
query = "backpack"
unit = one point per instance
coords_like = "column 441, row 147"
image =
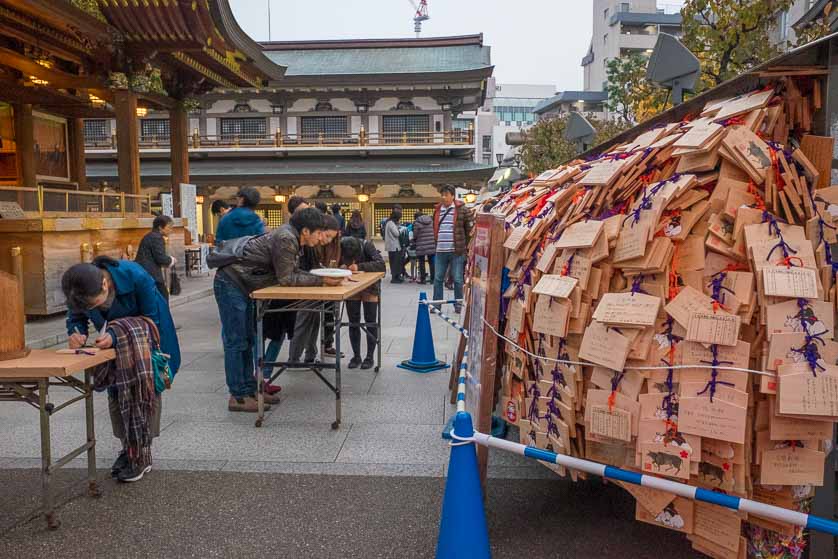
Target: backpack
column 228, row 252
column 404, row 237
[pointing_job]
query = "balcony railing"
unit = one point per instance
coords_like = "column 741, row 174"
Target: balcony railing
column 359, row 139
column 55, row 202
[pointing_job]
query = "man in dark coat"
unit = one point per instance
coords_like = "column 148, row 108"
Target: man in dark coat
column 269, row 259
column 151, row 254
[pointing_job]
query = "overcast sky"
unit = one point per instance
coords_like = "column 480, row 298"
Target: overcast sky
column 533, row 41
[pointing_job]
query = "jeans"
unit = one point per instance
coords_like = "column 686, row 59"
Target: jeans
column 271, row 353
column 353, row 311
column 238, row 336
column 420, row 261
column 457, row 263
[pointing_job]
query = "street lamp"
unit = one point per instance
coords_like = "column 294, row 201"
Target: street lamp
column 499, row 157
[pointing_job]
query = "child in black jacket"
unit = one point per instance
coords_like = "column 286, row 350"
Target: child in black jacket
column 362, row 256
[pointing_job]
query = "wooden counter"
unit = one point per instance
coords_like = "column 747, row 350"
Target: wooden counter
column 50, row 245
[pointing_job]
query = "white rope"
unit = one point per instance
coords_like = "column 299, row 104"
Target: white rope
column 460, row 440
column 644, row 368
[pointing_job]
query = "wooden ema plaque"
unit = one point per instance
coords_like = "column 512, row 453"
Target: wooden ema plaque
column 12, row 337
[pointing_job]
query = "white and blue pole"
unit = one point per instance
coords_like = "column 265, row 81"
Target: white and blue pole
column 770, row 512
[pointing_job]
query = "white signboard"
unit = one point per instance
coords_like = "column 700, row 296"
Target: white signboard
column 167, row 205
column 189, row 209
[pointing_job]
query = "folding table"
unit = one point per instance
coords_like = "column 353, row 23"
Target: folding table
column 317, row 300
column 28, row 380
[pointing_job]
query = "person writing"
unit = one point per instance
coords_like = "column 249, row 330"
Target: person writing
column 362, row 256
column 325, row 253
column 104, row 291
column 452, row 232
column 241, row 221
column 151, row 254
column 269, row 259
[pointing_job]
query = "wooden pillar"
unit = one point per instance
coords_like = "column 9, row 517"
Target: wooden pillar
column 78, row 170
column 178, row 124
column 127, row 141
column 25, row 140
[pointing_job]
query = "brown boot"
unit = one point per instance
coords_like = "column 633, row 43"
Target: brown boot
column 247, row 404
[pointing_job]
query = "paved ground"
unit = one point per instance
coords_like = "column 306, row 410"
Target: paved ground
column 374, row 487
column 216, row 514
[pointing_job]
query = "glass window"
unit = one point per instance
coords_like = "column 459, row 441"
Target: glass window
column 154, row 129
column 460, row 123
column 625, row 7
column 487, row 144
column 332, row 128
column 96, row 130
column 414, row 128
column 244, row 128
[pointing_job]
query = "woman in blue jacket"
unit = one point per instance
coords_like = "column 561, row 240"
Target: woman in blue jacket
column 106, row 290
column 241, row 221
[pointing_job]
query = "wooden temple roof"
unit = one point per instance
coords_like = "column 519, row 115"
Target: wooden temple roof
column 55, row 55
column 201, row 36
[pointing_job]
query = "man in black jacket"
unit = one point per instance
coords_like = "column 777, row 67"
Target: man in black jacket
column 151, row 253
column 268, row 259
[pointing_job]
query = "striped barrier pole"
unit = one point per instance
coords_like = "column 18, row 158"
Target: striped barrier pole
column 443, row 302
column 449, row 320
column 681, row 489
column 461, row 383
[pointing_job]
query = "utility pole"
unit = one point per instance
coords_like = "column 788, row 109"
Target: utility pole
column 269, row 20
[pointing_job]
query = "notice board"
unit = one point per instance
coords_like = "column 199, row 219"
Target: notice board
column 485, row 267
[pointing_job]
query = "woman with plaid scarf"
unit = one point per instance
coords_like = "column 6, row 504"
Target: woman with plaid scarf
column 122, row 302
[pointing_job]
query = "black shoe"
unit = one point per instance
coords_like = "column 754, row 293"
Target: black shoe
column 119, row 464
column 133, row 472
column 368, row 363
column 354, row 363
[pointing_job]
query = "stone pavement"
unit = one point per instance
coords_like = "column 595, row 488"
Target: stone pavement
column 390, row 436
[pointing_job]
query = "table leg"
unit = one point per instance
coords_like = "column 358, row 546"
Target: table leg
column 260, row 376
column 338, row 313
column 92, row 488
column 46, row 456
column 380, row 332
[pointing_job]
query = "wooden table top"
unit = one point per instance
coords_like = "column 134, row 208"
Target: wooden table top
column 44, row 363
column 350, row 287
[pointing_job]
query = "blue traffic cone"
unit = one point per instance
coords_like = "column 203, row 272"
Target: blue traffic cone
column 462, row 528
column 424, row 357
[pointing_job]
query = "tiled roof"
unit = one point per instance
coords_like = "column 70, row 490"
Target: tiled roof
column 401, row 56
column 570, row 97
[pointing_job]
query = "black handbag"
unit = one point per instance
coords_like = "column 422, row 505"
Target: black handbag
column 174, row 282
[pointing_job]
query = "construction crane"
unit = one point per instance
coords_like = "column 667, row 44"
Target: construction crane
column 421, row 15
